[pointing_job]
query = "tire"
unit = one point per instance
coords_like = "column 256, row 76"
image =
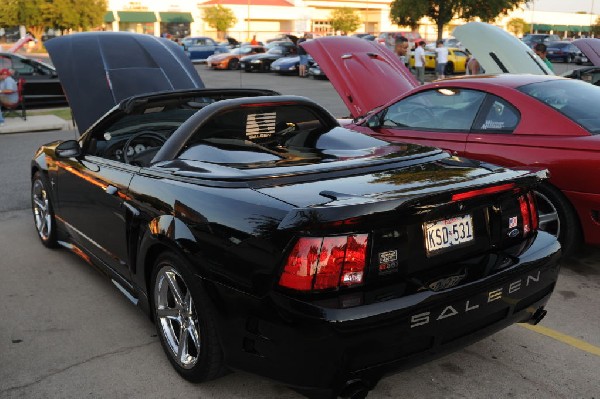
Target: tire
column 233, row 64
column 43, row 211
column 557, row 217
column 449, row 70
column 569, row 59
column 179, row 300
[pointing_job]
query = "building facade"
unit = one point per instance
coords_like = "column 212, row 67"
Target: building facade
column 268, row 18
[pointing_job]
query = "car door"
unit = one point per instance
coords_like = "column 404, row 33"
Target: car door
column 202, row 49
column 440, row 117
column 92, row 194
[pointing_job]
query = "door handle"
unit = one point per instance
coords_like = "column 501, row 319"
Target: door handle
column 111, row 190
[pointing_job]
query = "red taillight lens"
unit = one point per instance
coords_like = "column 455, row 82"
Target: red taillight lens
column 535, row 223
column 528, row 213
column 325, row 262
column 525, row 215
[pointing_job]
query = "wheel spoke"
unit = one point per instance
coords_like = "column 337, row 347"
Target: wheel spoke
column 193, row 333
column 40, row 204
column 175, row 289
column 182, row 350
column 168, row 313
column 546, row 218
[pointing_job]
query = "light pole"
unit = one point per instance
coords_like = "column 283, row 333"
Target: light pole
column 248, row 19
column 591, row 18
column 532, row 16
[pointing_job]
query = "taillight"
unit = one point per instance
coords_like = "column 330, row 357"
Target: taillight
column 525, row 215
column 535, row 222
column 528, row 213
column 320, row 263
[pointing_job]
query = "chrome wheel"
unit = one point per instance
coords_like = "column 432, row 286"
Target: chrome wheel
column 41, row 210
column 176, row 317
column 548, row 215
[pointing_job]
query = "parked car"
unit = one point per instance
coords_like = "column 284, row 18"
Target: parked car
column 562, row 51
column 457, row 61
column 389, row 38
column 231, row 60
column 288, row 65
column 200, row 48
column 260, row 235
column 532, row 39
column 590, row 49
column 536, row 121
column 315, row 71
column 42, row 86
column 262, row 62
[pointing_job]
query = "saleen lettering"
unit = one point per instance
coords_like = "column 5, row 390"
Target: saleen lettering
column 424, row 318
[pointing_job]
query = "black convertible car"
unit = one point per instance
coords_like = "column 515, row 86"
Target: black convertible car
column 259, row 234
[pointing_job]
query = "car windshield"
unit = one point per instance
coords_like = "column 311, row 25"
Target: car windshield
column 571, row 98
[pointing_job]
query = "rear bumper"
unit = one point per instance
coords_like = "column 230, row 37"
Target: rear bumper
column 587, row 206
column 317, row 349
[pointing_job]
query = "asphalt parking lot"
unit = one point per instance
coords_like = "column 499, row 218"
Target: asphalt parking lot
column 67, row 332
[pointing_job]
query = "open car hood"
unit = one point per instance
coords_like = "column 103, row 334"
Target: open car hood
column 99, row 69
column 590, row 48
column 498, row 51
column 365, row 74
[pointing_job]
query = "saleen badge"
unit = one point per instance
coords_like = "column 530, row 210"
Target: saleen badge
column 470, row 305
column 388, row 261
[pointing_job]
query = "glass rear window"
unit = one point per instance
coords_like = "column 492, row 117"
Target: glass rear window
column 573, row 98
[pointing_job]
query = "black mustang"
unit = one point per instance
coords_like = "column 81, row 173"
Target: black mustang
column 259, row 234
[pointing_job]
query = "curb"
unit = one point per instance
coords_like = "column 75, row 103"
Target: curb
column 35, row 123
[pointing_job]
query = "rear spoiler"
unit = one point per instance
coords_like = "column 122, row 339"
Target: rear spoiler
column 348, row 209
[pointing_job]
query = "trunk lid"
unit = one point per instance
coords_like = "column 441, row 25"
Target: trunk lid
column 404, row 212
column 99, row 69
column 364, row 73
column 499, row 51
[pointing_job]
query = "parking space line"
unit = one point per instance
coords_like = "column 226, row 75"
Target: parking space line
column 566, row 339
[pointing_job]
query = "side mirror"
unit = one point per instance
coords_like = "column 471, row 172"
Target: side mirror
column 68, row 149
column 375, row 121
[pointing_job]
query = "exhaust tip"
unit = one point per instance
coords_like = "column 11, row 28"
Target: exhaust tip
column 539, row 314
column 356, row 389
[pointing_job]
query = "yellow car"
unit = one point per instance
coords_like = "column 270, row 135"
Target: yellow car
column 457, row 61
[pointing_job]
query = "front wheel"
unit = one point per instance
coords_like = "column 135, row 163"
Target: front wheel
column 557, row 217
column 43, row 211
column 449, row 70
column 184, row 321
column 233, row 64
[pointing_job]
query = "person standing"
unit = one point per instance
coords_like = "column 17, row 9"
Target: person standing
column 541, row 50
column 303, row 56
column 420, row 61
column 9, row 94
column 473, row 67
column 401, row 49
column 441, row 59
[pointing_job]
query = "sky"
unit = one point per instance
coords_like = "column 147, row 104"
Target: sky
column 567, row 5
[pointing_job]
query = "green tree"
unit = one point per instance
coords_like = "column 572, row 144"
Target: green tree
column 35, row 15
column 409, row 12
column 220, row 18
column 39, row 15
column 596, row 28
column 517, row 26
column 345, row 20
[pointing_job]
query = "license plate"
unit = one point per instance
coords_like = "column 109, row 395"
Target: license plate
column 448, row 233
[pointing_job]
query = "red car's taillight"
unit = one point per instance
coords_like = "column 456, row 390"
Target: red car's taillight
column 325, row 263
column 528, row 213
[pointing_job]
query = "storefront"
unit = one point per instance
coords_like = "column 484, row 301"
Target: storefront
column 137, row 21
column 175, row 25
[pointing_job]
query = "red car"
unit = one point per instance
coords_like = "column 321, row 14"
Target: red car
column 519, row 121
